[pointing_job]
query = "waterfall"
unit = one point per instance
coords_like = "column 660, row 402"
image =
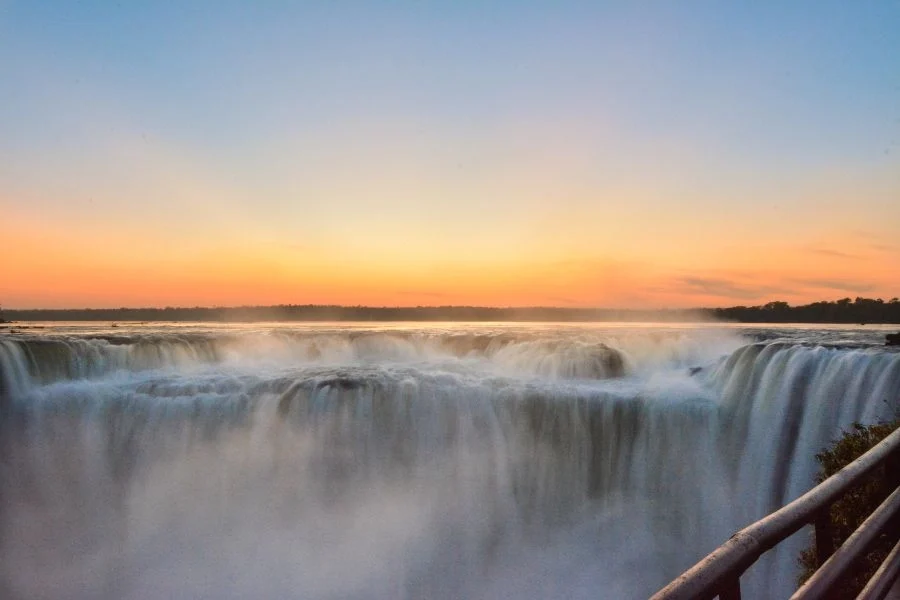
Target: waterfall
column 441, row 463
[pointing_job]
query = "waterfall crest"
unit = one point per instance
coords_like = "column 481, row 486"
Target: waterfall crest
column 366, row 464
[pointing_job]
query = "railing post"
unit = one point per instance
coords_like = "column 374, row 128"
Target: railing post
column 731, row 589
column 824, row 538
column 719, row 572
column 892, row 469
column 892, row 477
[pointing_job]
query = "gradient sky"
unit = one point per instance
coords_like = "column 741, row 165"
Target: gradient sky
column 619, row 154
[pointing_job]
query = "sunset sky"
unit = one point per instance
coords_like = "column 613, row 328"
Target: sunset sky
column 609, row 154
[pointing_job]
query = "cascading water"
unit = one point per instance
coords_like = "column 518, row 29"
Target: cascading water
column 410, row 462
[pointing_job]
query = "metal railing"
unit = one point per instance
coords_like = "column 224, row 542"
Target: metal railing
column 719, row 573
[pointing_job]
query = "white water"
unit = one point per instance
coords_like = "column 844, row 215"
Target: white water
column 441, row 461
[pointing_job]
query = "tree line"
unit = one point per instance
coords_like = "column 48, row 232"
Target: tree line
column 315, row 312
column 860, row 310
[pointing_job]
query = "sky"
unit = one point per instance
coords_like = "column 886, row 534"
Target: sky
column 607, row 154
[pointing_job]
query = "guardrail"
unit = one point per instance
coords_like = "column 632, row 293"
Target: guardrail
column 719, row 573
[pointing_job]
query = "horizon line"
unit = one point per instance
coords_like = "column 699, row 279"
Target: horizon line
column 427, row 307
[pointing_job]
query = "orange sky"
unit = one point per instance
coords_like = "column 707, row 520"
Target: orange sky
column 54, row 265
column 571, row 156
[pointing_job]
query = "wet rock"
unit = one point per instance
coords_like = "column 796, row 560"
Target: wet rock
column 892, row 339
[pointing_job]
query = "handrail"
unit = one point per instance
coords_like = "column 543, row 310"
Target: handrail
column 859, row 541
column 880, row 583
column 719, row 572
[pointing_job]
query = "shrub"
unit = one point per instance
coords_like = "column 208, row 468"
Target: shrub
column 856, row 505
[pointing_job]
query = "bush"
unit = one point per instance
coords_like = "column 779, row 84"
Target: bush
column 856, row 505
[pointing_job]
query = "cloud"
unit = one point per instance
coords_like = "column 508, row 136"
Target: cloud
column 728, row 288
column 783, row 289
column 835, row 253
column 835, row 284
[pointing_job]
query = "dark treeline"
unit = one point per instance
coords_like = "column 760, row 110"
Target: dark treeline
column 861, row 310
column 311, row 312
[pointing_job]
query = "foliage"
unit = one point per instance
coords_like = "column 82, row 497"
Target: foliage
column 861, row 310
column 856, row 505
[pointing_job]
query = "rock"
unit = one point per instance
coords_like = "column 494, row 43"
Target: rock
column 892, row 339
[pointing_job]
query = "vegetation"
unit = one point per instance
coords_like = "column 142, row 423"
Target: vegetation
column 310, row 312
column 861, row 310
column 854, row 507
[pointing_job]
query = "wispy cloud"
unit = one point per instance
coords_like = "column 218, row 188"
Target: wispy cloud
column 728, row 288
column 836, row 284
column 835, row 253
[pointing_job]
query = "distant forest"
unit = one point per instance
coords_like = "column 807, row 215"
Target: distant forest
column 861, row 310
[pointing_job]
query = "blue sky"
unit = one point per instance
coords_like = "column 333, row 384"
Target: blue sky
column 487, row 136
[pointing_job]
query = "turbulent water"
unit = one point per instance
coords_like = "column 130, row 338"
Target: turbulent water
column 409, row 461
